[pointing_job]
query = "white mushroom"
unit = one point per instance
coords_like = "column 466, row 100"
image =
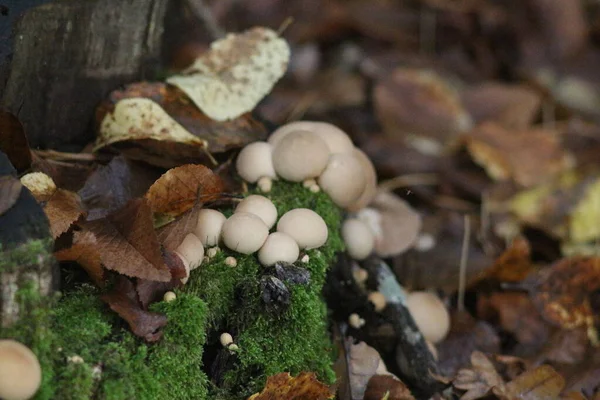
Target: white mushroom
column 343, row 179
column 20, row 371
column 192, row 250
column 337, row 140
column 355, row 321
column 358, row 238
column 186, row 265
column 259, row 206
column 255, row 162
column 226, row 339
column 231, row 261
column 209, row 225
column 279, row 246
column 265, row 184
column 169, row 297
column 244, row 232
column 370, row 190
column 430, row 315
column 300, row 155
column 378, row 300
column 306, row 227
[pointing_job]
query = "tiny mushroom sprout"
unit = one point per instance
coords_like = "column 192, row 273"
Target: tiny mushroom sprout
column 255, row 162
column 226, row 339
column 430, row 315
column 278, row 247
column 335, row 138
column 20, row 371
column 209, row 225
column 259, row 206
column 358, row 238
column 244, row 232
column 192, row 250
column 343, row 179
column 300, row 155
column 169, row 297
column 378, row 300
column 306, row 227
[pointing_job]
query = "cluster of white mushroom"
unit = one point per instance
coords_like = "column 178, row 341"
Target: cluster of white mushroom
column 247, row 232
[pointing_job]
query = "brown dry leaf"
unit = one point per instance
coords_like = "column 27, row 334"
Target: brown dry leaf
column 478, row 380
column 513, row 265
column 418, row 102
column 13, row 141
column 387, row 387
column 158, row 124
column 542, row 382
column 128, row 244
column 10, row 190
column 84, row 251
column 236, row 73
column 528, row 157
column 63, row 209
column 284, row 386
column 562, row 292
column 180, row 188
column 150, row 291
column 172, row 234
column 123, row 300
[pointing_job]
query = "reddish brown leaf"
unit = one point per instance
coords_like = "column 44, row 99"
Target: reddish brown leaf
column 84, row 251
column 128, row 244
column 123, row 300
column 10, row 189
column 542, row 382
column 284, row 386
column 150, row 291
column 13, row 141
column 478, row 380
column 172, row 234
column 513, row 265
column 63, row 209
column 180, row 188
column 380, row 386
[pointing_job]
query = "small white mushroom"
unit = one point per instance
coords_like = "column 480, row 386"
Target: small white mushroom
column 430, row 315
column 209, row 225
column 370, row 190
column 259, row 206
column 337, row 140
column 315, row 188
column 192, row 250
column 226, row 339
column 309, row 182
column 360, row 275
column 306, row 227
column 244, row 232
column 300, row 155
column 355, row 321
column 265, row 184
column 343, row 179
column 212, row 252
column 425, row 242
column 358, row 238
column 231, row 261
column 305, row 259
column 279, row 246
column 169, row 297
column 378, row 300
column 20, row 371
column 255, row 162
column 233, row 347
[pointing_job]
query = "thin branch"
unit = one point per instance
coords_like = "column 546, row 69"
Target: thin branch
column 464, row 258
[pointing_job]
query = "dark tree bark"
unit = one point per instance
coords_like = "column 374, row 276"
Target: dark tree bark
column 68, row 55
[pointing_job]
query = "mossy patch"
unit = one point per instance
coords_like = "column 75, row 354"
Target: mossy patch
column 27, row 255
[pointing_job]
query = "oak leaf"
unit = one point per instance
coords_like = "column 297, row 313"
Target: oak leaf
column 63, row 209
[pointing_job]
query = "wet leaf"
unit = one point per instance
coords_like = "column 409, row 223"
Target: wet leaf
column 180, row 188
column 387, row 387
column 150, row 291
column 478, row 380
column 172, row 234
column 123, row 300
column 84, row 251
column 363, row 363
column 128, row 244
column 542, row 382
column 236, row 73
column 513, row 265
column 284, row 386
column 13, row 141
column 63, row 209
column 10, row 190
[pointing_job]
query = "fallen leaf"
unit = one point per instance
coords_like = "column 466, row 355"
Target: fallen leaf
column 63, row 209
column 387, row 387
column 529, row 157
column 150, row 291
column 13, row 141
column 478, row 380
column 172, row 234
column 236, row 73
column 542, row 382
column 180, row 188
column 10, row 190
column 123, row 300
column 363, row 363
column 284, row 386
column 84, row 251
column 583, row 221
column 128, row 244
column 513, row 265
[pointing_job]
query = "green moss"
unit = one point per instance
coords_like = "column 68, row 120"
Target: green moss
column 32, row 253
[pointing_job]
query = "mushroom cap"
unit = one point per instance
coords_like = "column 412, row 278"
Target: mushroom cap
column 337, row 140
column 255, row 162
column 370, row 190
column 192, row 249
column 244, row 232
column 259, row 206
column 378, row 300
column 209, row 226
column 300, row 155
column 358, row 238
column 305, row 226
column 430, row 315
column 343, row 179
column 20, row 371
column 279, row 246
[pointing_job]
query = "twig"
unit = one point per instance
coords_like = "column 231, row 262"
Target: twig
column 204, row 14
column 402, row 181
column 464, row 256
column 284, row 25
column 61, row 156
